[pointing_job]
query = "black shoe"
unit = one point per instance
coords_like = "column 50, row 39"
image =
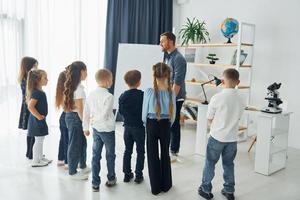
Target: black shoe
column 111, row 183
column 138, row 180
column 204, row 194
column 127, row 177
column 95, row 188
column 229, row 196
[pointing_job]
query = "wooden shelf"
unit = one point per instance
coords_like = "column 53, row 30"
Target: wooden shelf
column 216, row 65
column 214, row 45
column 210, row 84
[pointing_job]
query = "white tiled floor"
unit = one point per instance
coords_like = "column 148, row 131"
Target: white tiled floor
column 18, row 181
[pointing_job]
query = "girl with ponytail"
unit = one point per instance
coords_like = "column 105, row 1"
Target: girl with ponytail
column 63, row 142
column 38, row 107
column 158, row 115
column 73, row 102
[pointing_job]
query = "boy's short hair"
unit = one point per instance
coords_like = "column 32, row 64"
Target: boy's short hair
column 231, row 74
column 132, row 77
column 103, row 75
column 170, row 36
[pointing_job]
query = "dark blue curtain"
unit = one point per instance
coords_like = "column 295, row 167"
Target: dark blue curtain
column 134, row 21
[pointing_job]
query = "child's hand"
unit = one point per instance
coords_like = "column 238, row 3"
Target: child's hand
column 86, row 133
column 41, row 117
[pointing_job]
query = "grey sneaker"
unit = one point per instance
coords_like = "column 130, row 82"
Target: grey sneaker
column 79, row 176
column 111, row 183
column 41, row 163
column 46, row 160
column 86, row 170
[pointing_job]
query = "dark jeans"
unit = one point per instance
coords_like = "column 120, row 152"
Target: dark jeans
column 77, row 143
column 134, row 135
column 214, row 150
column 100, row 139
column 30, row 143
column 64, row 137
column 175, row 130
column 159, row 166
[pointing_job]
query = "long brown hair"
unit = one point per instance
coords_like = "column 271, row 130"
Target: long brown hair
column 73, row 78
column 162, row 71
column 33, row 81
column 60, row 87
column 27, row 64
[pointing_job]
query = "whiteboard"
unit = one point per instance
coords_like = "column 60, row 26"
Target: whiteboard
column 135, row 56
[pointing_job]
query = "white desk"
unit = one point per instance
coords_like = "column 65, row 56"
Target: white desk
column 272, row 142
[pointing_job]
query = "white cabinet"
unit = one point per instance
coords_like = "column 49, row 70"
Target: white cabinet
column 272, row 142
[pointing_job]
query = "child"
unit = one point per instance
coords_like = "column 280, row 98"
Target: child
column 27, row 64
column 224, row 112
column 74, row 97
column 38, row 107
column 158, row 115
column 130, row 107
column 99, row 106
column 63, row 142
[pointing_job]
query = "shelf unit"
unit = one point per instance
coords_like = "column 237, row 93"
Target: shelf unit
column 222, row 66
column 272, row 142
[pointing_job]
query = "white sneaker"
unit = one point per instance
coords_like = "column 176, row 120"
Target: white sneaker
column 86, row 170
column 46, row 160
column 41, row 163
column 79, row 176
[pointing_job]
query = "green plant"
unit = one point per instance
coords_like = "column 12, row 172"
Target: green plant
column 212, row 58
column 194, row 31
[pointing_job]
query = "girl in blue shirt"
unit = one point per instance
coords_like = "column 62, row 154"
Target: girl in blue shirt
column 158, row 115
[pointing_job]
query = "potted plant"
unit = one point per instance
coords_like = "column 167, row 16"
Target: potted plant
column 193, row 31
column 212, row 58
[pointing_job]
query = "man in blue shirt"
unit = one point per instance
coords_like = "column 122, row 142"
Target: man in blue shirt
column 177, row 62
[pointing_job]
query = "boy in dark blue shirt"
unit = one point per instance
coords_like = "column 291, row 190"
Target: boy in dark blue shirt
column 130, row 107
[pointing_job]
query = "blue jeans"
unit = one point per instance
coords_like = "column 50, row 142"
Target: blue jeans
column 100, row 139
column 213, row 152
column 77, row 143
column 134, row 135
column 64, row 139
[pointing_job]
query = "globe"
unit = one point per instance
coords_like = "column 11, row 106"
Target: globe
column 229, row 28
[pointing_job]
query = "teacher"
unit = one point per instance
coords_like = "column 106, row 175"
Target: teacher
column 177, row 62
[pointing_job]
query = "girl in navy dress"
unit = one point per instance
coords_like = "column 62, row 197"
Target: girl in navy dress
column 63, row 142
column 27, row 64
column 38, row 108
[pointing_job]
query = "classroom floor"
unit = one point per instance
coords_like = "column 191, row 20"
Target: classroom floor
column 19, row 181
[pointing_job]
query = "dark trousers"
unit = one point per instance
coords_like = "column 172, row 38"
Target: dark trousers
column 64, row 137
column 159, row 167
column 77, row 143
column 175, row 130
column 134, row 135
column 30, row 143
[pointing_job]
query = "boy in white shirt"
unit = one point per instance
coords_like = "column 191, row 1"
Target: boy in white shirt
column 224, row 112
column 99, row 111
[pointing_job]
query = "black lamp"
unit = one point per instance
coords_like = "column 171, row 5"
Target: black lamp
column 217, row 82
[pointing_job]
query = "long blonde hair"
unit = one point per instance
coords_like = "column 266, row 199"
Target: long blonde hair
column 162, row 71
column 73, row 75
column 33, row 81
column 60, row 87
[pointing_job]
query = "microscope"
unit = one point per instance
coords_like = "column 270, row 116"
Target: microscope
column 274, row 100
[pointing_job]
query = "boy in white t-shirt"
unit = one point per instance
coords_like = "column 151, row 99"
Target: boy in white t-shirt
column 98, row 111
column 224, row 112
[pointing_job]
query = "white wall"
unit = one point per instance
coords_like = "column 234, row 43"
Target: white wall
column 277, row 35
